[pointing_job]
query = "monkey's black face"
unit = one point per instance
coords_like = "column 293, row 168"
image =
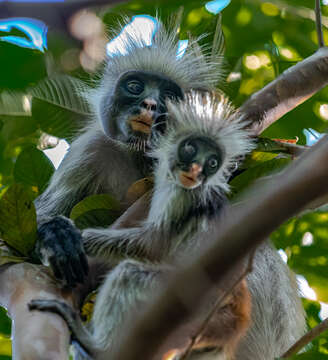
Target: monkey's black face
column 138, row 99
column 198, row 158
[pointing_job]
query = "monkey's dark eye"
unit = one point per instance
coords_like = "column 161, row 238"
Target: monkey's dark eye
column 135, row 87
column 187, row 151
column 168, row 94
column 212, row 164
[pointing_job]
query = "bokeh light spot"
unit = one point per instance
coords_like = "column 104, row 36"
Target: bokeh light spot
column 269, row 9
column 243, row 17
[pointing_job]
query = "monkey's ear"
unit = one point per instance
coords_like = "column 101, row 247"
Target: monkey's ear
column 158, row 127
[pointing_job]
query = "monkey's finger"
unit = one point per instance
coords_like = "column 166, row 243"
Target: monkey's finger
column 56, row 268
column 77, row 269
column 84, row 263
column 70, row 276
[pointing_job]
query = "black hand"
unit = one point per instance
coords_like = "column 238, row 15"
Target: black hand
column 60, row 245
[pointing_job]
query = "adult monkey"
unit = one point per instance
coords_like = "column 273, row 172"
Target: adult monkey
column 108, row 156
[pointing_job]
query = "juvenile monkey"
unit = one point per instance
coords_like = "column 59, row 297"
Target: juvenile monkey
column 202, row 143
column 108, row 155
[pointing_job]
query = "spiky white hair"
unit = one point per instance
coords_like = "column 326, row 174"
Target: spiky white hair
column 210, row 115
column 196, row 69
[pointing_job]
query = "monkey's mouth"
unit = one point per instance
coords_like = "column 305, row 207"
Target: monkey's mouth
column 142, row 122
column 188, row 180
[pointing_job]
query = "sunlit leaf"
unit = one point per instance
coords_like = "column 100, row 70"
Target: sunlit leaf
column 247, row 177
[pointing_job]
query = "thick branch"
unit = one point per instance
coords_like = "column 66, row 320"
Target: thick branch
column 266, row 207
column 37, row 336
column 291, row 88
column 47, row 337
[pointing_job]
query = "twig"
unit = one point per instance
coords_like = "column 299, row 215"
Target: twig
column 318, row 22
column 196, row 337
column 306, row 339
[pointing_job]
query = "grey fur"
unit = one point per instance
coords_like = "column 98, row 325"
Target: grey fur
column 199, row 114
column 278, row 318
column 277, row 315
column 97, row 163
column 129, row 285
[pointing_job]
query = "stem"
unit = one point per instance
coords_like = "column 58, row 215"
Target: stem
column 318, row 22
column 306, row 339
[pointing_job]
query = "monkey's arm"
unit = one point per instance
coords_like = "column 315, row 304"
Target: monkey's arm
column 59, row 242
column 143, row 243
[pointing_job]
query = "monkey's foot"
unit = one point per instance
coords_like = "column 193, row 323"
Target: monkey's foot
column 60, row 245
column 80, row 334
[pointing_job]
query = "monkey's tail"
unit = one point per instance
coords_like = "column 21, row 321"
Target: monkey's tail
column 79, row 334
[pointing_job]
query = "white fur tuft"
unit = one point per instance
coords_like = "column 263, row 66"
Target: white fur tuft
column 193, row 70
column 210, row 115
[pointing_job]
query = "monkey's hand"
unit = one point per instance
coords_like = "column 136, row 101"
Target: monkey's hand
column 60, row 246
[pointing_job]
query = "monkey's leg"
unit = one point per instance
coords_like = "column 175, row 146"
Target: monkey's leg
column 125, row 290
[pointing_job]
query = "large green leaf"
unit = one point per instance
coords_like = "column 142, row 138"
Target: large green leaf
column 63, row 91
column 16, row 126
column 60, row 99
column 33, row 168
column 95, row 210
column 18, row 219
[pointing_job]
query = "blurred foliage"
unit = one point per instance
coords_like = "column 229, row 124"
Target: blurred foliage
column 39, row 98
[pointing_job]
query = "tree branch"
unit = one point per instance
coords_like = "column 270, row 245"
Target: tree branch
column 290, row 89
column 268, row 205
column 45, row 337
column 196, row 337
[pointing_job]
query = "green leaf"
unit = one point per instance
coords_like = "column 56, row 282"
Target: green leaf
column 60, row 99
column 257, row 157
column 18, row 219
column 17, row 126
column 63, row 91
column 12, row 103
column 5, row 323
column 33, row 168
column 246, row 178
column 95, row 210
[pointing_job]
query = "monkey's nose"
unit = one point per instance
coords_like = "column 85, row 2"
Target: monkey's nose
column 149, row 104
column 195, row 169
